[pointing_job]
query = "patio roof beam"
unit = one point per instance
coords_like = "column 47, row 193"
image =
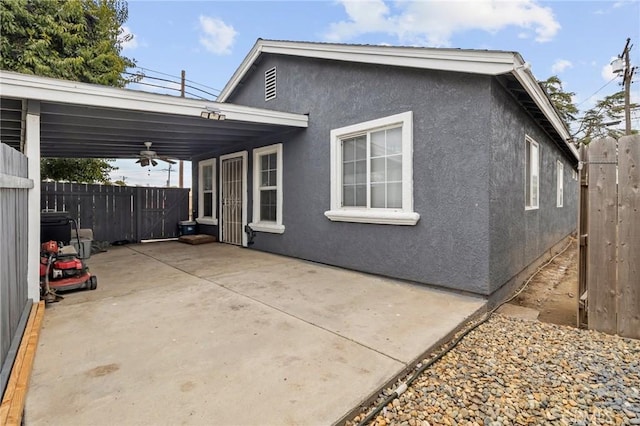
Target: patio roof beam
column 159, row 124
column 138, row 135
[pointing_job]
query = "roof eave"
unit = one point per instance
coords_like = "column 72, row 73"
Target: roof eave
column 24, row 86
column 523, row 74
column 457, row 60
column 470, row 61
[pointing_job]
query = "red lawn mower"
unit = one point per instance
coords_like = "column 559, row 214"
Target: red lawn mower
column 61, row 268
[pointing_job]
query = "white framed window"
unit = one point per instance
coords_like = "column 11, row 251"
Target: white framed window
column 267, row 189
column 207, row 192
column 372, row 172
column 574, row 174
column 532, row 174
column 559, row 183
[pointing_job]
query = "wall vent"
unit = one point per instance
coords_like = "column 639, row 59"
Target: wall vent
column 270, row 84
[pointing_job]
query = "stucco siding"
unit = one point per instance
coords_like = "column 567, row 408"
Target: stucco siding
column 449, row 246
column 519, row 236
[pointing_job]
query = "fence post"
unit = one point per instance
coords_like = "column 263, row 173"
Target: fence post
column 137, row 208
column 601, row 250
column 629, row 237
column 583, row 237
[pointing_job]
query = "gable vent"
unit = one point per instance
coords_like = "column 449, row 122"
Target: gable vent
column 270, row 84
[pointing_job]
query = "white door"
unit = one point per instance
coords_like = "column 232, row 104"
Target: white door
column 232, row 198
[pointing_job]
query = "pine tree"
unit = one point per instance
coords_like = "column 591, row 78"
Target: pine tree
column 70, row 39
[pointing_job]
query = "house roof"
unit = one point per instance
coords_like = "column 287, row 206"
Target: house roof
column 87, row 120
column 509, row 68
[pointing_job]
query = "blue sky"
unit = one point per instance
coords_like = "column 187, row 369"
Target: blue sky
column 575, row 40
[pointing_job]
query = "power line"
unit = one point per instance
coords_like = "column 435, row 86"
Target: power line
column 171, row 81
column 167, row 87
column 596, row 92
column 174, row 76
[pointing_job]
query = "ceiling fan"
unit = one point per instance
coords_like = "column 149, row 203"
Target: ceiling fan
column 147, row 157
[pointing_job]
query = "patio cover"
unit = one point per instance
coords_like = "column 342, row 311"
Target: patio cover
column 85, row 120
column 48, row 117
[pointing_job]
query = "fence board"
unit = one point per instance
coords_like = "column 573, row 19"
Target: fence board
column 13, row 262
column 117, row 213
column 629, row 237
column 601, row 249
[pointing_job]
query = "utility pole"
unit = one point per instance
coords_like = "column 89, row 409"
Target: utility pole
column 169, row 175
column 182, row 83
column 627, row 75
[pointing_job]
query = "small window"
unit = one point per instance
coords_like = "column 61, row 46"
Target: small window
column 559, row 184
column 270, row 84
column 207, row 192
column 532, row 174
column 574, row 174
column 372, row 172
column 267, row 189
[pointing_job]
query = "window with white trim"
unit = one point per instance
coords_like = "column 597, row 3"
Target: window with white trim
column 372, row 172
column 207, row 192
column 267, row 189
column 532, row 174
column 559, row 184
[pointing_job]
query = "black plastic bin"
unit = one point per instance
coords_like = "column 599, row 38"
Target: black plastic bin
column 55, row 226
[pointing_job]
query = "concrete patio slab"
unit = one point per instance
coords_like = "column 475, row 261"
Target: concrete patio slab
column 216, row 334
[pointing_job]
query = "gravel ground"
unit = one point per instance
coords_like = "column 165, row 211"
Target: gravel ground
column 512, row 371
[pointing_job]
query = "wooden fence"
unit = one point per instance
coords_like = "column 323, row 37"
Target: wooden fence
column 118, row 213
column 14, row 305
column 609, row 269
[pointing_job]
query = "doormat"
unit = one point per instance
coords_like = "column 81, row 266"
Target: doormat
column 197, row 239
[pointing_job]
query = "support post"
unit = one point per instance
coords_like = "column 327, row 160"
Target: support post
column 32, row 151
column 181, row 169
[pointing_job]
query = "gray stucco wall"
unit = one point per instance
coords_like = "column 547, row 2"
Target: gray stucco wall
column 519, row 236
column 473, row 234
column 450, row 244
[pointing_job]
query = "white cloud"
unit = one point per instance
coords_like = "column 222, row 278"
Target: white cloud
column 217, row 37
column 433, row 23
column 132, row 41
column 560, row 65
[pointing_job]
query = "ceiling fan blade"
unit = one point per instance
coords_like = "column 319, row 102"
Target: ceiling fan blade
column 168, row 160
column 154, row 162
column 144, row 162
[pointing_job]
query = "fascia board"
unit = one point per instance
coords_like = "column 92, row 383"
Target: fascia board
column 532, row 87
column 257, row 115
column 476, row 62
column 241, row 71
column 21, row 86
